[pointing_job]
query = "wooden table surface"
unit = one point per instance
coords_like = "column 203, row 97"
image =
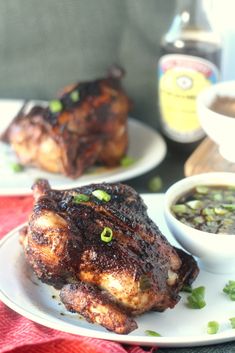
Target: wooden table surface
column 206, row 158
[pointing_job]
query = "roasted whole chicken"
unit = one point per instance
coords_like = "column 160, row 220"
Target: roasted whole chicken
column 97, row 244
column 86, row 125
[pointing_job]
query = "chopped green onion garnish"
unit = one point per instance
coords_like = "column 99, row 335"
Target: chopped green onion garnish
column 199, row 220
column 187, row 289
column 212, row 327
column 196, row 299
column 106, row 234
column 230, row 207
column 16, row 167
column 74, row 96
column 220, row 210
column 80, row 198
column 229, row 289
column 55, row 106
column 127, row 161
column 152, row 333
column 180, row 208
column 155, row 184
column 101, row 195
column 218, row 197
column 208, row 211
column 202, row 189
column 232, row 321
column 194, row 204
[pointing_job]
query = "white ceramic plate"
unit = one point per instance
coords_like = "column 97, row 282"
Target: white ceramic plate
column 180, row 326
column 146, row 146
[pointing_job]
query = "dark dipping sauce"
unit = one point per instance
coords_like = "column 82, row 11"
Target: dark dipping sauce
column 224, row 105
column 208, row 208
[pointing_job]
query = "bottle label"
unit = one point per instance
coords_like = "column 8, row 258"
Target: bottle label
column 181, row 78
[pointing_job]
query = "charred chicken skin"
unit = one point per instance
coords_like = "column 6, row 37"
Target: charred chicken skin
column 86, row 125
column 97, row 244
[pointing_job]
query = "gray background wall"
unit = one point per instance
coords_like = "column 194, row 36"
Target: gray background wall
column 47, row 44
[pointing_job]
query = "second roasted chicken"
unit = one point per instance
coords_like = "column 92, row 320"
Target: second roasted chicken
column 109, row 258
column 86, row 125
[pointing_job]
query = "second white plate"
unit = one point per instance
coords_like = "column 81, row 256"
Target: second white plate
column 146, row 146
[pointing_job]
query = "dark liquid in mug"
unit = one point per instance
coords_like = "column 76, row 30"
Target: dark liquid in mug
column 224, row 106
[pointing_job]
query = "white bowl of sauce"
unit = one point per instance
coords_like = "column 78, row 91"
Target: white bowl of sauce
column 216, row 112
column 200, row 213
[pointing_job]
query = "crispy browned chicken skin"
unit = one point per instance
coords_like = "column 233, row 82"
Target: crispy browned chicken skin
column 107, row 282
column 90, row 127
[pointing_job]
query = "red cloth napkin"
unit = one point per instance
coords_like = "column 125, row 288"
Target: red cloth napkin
column 20, row 335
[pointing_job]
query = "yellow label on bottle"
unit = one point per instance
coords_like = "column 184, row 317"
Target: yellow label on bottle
column 181, row 78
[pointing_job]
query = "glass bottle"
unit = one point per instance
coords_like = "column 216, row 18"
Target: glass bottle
column 189, row 62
